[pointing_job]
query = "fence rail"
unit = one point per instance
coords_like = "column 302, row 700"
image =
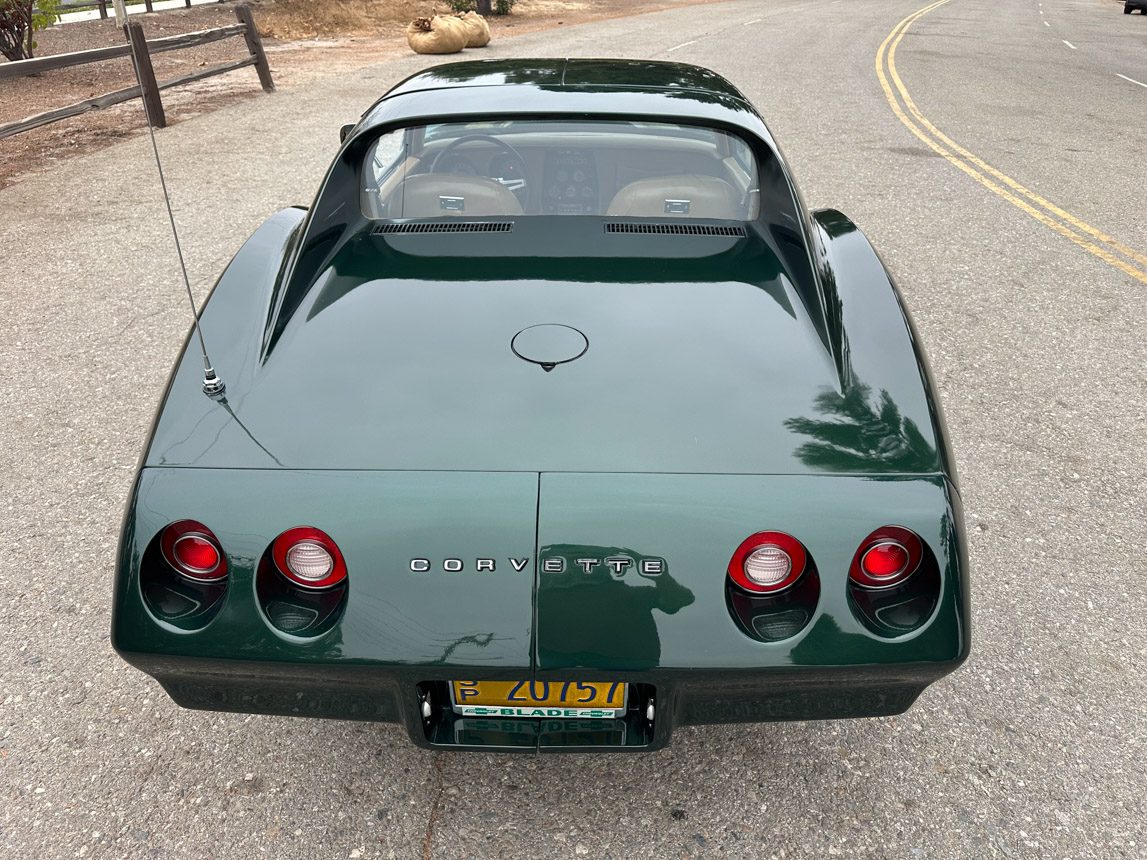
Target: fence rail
column 68, row 6
column 143, row 49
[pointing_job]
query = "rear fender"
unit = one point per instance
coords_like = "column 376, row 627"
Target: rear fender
column 877, row 351
column 233, row 320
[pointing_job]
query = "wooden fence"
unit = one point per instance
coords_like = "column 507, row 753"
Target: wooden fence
column 67, row 6
column 151, row 88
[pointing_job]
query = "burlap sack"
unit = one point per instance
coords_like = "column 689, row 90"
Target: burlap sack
column 456, row 23
column 437, row 35
column 477, row 30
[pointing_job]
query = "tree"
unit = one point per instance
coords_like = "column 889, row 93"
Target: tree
column 19, row 19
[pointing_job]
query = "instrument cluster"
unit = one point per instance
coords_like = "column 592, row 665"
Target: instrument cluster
column 569, row 183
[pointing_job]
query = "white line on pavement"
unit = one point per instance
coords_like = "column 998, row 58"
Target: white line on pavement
column 1046, row 24
column 1070, row 45
column 754, row 21
column 1130, row 80
column 682, row 45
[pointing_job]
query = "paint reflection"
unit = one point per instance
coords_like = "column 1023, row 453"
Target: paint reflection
column 600, row 616
column 862, row 434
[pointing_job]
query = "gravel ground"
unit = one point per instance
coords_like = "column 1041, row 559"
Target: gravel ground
column 299, row 49
column 1034, row 749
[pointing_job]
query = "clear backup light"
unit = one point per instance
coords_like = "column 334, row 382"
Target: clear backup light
column 308, row 558
column 193, row 551
column 887, row 557
column 768, row 562
column 310, row 561
column 768, row 565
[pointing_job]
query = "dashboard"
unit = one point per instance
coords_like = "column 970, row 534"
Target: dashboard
column 569, row 183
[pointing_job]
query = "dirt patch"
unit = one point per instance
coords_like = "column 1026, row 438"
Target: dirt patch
column 302, row 19
column 304, row 39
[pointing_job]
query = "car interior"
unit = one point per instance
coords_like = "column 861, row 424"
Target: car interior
column 560, row 167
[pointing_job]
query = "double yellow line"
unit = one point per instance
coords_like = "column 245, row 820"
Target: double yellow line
column 1091, row 239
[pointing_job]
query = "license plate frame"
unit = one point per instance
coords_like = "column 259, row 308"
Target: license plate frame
column 518, row 733
column 529, row 706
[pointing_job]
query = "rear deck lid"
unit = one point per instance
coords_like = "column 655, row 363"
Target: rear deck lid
column 696, row 357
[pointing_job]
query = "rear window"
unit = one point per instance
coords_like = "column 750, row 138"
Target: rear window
column 560, row 167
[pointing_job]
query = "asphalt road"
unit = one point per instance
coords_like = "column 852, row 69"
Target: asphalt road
column 1034, row 749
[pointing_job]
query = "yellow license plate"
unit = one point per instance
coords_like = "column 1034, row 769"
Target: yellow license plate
column 555, row 699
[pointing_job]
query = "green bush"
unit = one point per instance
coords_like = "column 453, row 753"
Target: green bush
column 497, row 7
column 18, row 20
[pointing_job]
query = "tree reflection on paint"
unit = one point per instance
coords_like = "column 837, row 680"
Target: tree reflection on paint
column 601, row 621
column 861, row 436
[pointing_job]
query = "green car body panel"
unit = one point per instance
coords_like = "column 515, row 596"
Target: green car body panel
column 732, row 384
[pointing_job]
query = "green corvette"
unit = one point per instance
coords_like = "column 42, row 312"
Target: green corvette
column 556, row 422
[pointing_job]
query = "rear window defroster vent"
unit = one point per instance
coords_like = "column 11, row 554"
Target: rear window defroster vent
column 676, row 229
column 448, row 227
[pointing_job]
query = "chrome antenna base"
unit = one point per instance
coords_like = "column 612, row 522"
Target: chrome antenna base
column 212, row 385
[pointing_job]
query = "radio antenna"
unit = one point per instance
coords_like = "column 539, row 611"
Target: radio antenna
column 212, row 384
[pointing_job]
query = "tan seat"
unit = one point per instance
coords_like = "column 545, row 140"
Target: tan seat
column 435, row 195
column 690, row 195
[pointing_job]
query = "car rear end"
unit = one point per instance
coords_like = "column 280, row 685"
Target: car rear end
column 550, row 584
column 600, row 459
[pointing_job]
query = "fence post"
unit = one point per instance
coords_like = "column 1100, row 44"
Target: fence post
column 255, row 46
column 152, row 103
column 147, row 5
column 103, row 8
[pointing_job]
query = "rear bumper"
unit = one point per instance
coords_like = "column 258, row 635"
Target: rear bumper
column 388, row 694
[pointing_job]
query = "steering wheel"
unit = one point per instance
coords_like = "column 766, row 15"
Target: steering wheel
column 517, row 186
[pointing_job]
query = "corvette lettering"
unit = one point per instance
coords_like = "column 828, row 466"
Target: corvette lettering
column 617, row 565
column 457, row 565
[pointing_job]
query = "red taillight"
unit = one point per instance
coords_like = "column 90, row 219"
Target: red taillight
column 886, row 557
column 192, row 549
column 768, row 562
column 308, row 558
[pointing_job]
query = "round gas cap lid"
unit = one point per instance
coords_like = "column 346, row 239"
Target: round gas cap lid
column 549, row 345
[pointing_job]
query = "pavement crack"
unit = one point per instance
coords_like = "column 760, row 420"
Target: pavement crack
column 435, row 809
